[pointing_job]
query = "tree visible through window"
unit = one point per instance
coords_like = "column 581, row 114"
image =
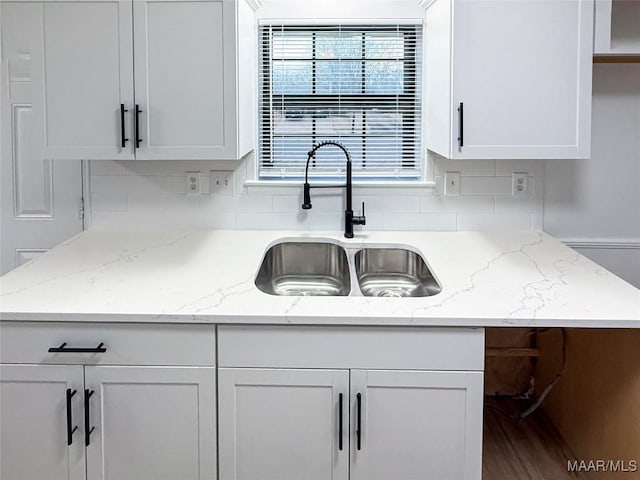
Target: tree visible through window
column 359, row 85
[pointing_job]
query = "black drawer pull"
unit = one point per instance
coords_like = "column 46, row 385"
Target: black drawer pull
column 340, row 422
column 87, row 421
column 64, row 349
column 138, row 139
column 461, row 125
column 123, row 139
column 70, row 429
column 359, row 420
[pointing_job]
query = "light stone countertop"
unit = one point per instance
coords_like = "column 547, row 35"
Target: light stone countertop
column 488, row 279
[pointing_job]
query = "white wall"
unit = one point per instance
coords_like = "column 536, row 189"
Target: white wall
column 143, row 192
column 595, row 204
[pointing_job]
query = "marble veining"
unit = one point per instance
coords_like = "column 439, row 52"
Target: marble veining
column 487, row 278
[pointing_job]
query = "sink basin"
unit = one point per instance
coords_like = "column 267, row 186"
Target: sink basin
column 305, row 268
column 315, row 267
column 394, row 272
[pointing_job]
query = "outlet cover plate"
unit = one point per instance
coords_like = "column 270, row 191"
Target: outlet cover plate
column 193, row 183
column 520, row 184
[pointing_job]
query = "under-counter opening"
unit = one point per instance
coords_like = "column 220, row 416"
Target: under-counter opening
column 587, row 424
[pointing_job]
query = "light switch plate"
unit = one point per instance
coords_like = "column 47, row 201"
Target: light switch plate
column 222, row 182
column 452, row 183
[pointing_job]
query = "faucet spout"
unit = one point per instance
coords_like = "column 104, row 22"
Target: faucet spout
column 349, row 218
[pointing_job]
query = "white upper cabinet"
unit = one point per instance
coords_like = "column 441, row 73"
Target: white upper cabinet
column 509, row 78
column 184, row 102
column 185, row 79
column 80, row 56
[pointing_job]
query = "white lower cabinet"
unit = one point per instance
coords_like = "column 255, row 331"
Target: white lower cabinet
column 142, row 423
column 151, row 423
column 283, row 424
column 144, row 402
column 411, row 425
column 34, row 438
column 353, row 420
column 72, row 409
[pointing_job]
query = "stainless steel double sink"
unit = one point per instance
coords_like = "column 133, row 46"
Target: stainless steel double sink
column 327, row 268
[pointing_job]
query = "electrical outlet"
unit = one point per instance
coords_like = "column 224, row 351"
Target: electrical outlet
column 452, row 183
column 222, row 182
column 193, row 183
column 519, row 184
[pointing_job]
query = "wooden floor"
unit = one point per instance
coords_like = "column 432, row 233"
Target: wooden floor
column 529, row 449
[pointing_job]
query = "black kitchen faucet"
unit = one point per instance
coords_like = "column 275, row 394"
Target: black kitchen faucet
column 349, row 218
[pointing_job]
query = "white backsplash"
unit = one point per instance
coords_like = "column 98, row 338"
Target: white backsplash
column 154, row 193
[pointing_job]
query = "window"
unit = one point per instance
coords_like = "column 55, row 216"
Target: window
column 357, row 84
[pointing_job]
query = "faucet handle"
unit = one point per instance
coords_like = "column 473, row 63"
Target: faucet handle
column 360, row 220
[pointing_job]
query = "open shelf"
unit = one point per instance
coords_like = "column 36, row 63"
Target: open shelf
column 617, row 28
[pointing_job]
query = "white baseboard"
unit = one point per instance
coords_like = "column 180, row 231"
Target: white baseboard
column 603, row 243
column 619, row 256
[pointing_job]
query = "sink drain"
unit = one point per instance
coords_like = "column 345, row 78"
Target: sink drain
column 390, row 293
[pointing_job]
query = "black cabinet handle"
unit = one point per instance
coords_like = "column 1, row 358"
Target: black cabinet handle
column 359, row 421
column 64, row 349
column 123, row 139
column 138, row 139
column 70, row 429
column 461, row 125
column 87, row 421
column 340, row 422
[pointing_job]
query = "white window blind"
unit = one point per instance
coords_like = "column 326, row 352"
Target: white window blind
column 356, row 84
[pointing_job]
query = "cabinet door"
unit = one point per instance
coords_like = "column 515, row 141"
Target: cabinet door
column 185, row 80
column 416, row 425
column 34, row 440
column 151, row 423
column 85, row 54
column 522, row 70
column 283, row 424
